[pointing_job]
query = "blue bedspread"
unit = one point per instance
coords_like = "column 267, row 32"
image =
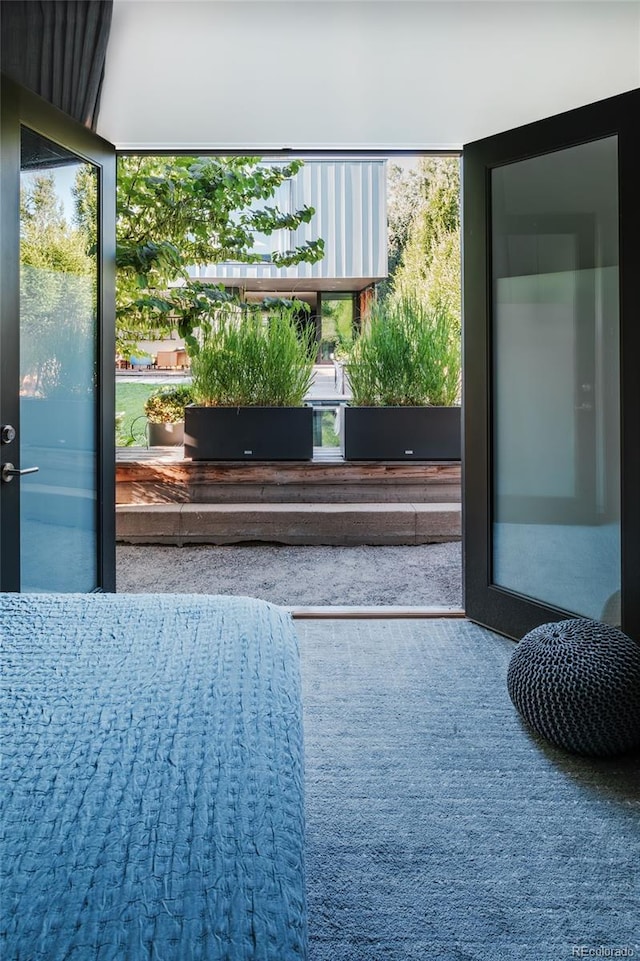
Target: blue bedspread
column 153, row 798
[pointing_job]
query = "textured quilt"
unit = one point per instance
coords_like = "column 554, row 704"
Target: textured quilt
column 153, row 801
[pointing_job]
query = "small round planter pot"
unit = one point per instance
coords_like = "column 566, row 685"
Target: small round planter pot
column 400, row 433
column 165, row 435
column 248, row 433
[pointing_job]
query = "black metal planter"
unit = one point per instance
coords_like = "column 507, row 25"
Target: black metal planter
column 401, row 433
column 248, row 433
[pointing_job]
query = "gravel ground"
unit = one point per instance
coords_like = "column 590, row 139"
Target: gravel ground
column 426, row 575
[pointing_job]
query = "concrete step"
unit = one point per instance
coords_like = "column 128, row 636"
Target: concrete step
column 331, row 524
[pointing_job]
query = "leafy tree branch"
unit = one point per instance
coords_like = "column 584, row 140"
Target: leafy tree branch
column 179, row 212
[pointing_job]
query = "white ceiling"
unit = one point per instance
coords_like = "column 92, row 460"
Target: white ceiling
column 356, row 74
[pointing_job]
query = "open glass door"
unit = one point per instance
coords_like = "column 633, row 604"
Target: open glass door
column 551, row 522
column 57, row 344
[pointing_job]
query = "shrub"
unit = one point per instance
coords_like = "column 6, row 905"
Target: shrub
column 408, row 355
column 252, row 361
column 166, row 405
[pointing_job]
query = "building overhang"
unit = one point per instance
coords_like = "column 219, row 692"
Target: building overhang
column 278, row 286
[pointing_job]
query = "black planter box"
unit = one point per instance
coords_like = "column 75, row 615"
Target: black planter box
column 248, row 433
column 401, row 433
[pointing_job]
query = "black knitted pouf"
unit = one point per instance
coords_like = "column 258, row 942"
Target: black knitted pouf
column 577, row 683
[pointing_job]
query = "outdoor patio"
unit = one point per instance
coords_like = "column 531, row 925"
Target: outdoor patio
column 164, row 498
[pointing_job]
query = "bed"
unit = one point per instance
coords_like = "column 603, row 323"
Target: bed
column 153, row 780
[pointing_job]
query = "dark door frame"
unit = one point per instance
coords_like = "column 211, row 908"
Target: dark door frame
column 485, row 602
column 20, row 107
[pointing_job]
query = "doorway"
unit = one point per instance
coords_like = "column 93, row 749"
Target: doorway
column 404, row 512
column 566, row 264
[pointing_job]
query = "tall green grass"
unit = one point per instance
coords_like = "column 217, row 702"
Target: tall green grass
column 408, row 355
column 254, row 362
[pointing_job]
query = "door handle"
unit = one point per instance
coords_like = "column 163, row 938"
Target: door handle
column 9, row 472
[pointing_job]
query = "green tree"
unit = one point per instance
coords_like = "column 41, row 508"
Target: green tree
column 430, row 260
column 177, row 212
column 406, row 192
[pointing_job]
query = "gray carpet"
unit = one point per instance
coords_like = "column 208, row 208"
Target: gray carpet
column 437, row 827
column 426, row 575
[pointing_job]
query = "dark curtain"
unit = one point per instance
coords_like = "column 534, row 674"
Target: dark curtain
column 57, row 48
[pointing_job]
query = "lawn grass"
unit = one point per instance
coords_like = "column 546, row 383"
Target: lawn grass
column 130, row 400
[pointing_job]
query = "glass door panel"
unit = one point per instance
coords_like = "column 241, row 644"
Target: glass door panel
column 58, row 367
column 556, row 379
column 57, row 348
column 551, row 516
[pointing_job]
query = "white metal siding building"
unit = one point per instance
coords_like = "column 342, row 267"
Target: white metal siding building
column 349, row 197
